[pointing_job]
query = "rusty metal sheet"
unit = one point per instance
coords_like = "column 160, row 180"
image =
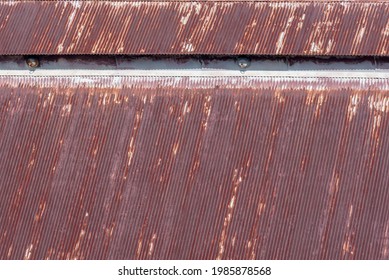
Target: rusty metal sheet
column 174, row 167
column 343, row 28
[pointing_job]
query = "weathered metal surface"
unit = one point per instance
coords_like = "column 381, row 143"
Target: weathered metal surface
column 201, row 27
column 247, row 167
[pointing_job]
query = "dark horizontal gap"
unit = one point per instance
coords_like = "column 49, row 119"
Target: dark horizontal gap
column 112, row 60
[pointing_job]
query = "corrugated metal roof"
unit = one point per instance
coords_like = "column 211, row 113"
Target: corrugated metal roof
column 132, row 167
column 350, row 28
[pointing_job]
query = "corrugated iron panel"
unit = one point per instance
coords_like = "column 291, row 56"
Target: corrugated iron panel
column 194, row 168
column 202, row 27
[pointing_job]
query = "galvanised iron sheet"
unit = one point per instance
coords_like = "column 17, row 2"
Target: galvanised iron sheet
column 241, row 166
column 314, row 28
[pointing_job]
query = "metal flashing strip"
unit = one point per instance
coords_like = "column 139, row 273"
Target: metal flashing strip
column 147, row 67
column 383, row 74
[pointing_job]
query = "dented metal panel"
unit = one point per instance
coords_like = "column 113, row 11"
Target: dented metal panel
column 159, row 167
column 347, row 28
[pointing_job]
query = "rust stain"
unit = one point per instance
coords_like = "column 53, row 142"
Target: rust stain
column 385, row 248
column 27, row 254
column 41, row 210
column 348, row 246
column 353, row 106
column 152, row 244
column 237, row 180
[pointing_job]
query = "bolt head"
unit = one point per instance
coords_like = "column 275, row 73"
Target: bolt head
column 32, row 62
column 243, row 63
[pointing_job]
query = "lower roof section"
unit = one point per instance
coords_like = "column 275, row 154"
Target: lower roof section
column 343, row 28
column 169, row 167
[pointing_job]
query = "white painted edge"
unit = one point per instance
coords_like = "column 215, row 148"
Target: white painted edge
column 350, row 74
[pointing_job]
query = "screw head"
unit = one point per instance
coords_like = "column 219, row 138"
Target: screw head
column 243, row 63
column 32, row 62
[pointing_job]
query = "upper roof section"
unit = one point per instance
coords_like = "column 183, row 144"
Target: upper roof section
column 342, row 28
